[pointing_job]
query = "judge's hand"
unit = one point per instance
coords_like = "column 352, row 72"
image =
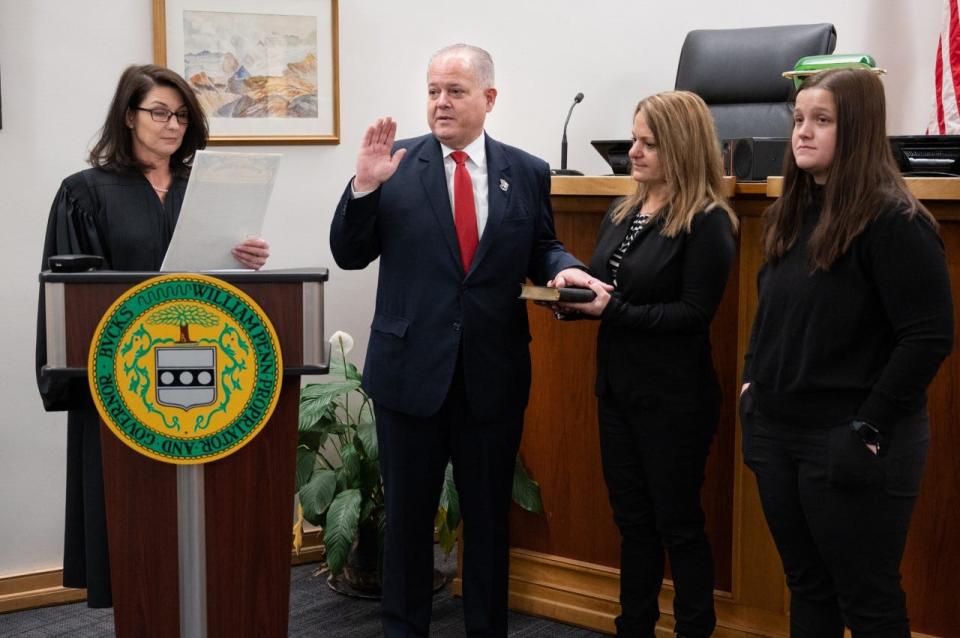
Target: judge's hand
column 581, row 279
column 374, row 163
column 252, row 253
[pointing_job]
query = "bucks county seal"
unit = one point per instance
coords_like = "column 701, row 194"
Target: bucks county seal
column 185, row 368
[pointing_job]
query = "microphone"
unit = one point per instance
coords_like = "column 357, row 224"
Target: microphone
column 563, row 143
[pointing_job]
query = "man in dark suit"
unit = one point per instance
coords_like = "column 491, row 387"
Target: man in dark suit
column 448, row 365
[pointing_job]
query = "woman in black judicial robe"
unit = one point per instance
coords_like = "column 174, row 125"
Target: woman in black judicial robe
column 123, row 209
column 667, row 251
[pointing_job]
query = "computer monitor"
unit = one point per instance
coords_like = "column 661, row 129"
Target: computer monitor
column 615, row 153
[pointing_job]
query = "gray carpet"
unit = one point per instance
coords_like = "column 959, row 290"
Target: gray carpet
column 315, row 610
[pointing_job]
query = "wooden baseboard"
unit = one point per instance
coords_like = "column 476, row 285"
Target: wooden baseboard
column 588, row 595
column 43, row 589
column 564, row 589
column 40, row 589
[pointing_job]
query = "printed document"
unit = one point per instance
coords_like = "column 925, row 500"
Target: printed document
column 225, row 203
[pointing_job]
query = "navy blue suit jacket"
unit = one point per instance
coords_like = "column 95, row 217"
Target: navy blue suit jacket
column 426, row 305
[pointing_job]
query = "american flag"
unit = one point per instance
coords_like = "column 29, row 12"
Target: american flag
column 945, row 114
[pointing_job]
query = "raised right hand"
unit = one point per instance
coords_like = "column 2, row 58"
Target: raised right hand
column 374, row 163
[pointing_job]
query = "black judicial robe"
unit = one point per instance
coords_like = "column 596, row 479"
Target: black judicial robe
column 118, row 216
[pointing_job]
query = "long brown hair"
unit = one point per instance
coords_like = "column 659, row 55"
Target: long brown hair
column 863, row 179
column 689, row 154
column 114, row 150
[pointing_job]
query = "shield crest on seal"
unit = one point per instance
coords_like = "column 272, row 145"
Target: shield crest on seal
column 186, row 377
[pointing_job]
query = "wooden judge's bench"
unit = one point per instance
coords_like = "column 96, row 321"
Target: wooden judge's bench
column 564, row 563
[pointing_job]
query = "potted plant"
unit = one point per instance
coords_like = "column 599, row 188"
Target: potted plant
column 338, row 475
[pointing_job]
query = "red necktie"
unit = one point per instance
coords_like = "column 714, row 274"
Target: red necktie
column 464, row 209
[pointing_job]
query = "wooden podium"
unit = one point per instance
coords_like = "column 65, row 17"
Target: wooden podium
column 199, row 550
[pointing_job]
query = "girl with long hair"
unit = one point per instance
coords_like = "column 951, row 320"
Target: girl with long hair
column 854, row 318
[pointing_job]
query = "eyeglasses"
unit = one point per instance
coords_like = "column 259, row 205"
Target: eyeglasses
column 163, row 115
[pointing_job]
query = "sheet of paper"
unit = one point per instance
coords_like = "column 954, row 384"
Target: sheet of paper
column 226, row 202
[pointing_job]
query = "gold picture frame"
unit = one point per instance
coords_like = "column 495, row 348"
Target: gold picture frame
column 290, row 94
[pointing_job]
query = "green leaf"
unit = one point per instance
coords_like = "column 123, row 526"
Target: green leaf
column 367, row 433
column 350, row 458
column 314, row 440
column 450, row 499
column 316, row 495
column 526, row 491
column 448, row 514
column 306, row 459
column 366, row 509
column 341, row 528
column 317, row 399
column 369, row 480
column 446, row 535
column 337, row 368
column 336, row 428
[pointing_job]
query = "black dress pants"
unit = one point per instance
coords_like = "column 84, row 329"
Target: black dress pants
column 413, row 457
column 653, row 463
column 839, row 517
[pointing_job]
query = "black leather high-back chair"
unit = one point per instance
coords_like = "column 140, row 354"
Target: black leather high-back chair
column 738, row 73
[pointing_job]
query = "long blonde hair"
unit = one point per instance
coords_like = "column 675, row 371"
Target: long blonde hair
column 689, row 154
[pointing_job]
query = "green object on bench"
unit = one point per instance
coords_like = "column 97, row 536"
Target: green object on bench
column 811, row 64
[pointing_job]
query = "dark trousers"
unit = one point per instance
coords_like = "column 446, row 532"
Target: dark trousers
column 839, row 516
column 653, row 463
column 413, row 457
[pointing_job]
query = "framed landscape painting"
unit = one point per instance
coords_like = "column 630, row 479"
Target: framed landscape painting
column 265, row 73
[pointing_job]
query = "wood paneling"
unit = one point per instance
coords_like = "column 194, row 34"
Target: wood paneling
column 931, row 564
column 564, row 564
column 561, row 418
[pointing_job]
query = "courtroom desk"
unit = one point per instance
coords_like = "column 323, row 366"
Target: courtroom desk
column 564, row 563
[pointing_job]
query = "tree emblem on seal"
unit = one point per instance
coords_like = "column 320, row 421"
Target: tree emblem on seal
column 183, row 315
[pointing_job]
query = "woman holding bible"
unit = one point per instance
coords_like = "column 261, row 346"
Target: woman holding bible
column 854, row 317
column 667, row 251
column 123, row 209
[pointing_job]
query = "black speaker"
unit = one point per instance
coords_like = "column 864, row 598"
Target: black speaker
column 753, row 159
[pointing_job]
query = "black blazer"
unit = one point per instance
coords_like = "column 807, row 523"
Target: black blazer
column 653, row 347
column 427, row 307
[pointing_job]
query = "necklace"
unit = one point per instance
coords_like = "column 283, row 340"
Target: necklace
column 158, row 189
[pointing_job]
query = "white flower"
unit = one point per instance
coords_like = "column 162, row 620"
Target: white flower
column 341, row 340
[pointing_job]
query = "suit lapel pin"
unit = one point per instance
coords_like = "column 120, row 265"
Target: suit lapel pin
column 504, row 185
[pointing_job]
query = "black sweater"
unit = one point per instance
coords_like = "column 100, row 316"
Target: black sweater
column 862, row 340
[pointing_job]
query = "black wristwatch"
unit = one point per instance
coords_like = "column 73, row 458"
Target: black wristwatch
column 869, row 434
